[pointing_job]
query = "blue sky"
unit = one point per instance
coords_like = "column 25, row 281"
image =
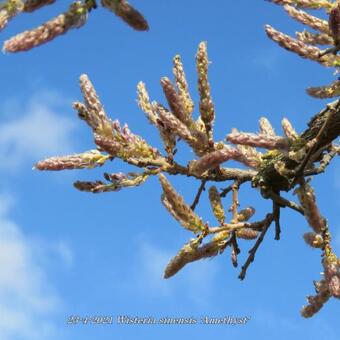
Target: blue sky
column 64, row 252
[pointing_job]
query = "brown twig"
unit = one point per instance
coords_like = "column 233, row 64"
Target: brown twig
column 235, row 248
column 233, row 208
column 253, row 250
column 225, row 191
column 281, row 201
column 240, row 181
column 198, row 195
column 240, row 225
column 224, row 174
column 276, row 214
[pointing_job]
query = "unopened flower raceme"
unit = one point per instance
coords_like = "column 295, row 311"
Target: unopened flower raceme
column 216, row 204
column 244, row 215
column 288, row 130
column 307, row 19
column 212, row 160
column 84, row 114
column 33, row 5
column 126, row 12
column 118, row 177
column 266, row 128
column 94, row 115
column 178, row 110
column 9, row 10
column 95, row 187
column 302, row 49
column 109, row 135
column 307, row 4
column 178, row 208
column 247, row 233
column 112, row 147
column 334, row 286
column 328, row 91
column 249, row 156
column 91, row 98
column 178, row 121
column 168, row 137
column 316, row 302
column 182, row 85
column 118, row 181
column 307, row 198
column 258, row 140
column 145, row 104
column 88, row 159
column 195, row 139
column 176, row 103
column 75, row 17
column 191, row 252
column 332, row 274
column 314, row 240
column 215, row 158
column 334, row 23
column 183, row 257
column 206, row 105
column 314, row 38
column 129, row 147
column 173, row 123
column 221, row 236
column 328, row 33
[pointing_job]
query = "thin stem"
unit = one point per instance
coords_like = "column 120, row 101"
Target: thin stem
column 276, row 213
column 235, row 248
column 234, row 187
column 236, row 226
column 198, row 195
column 282, row 201
column 252, row 251
column 224, row 174
column 225, row 191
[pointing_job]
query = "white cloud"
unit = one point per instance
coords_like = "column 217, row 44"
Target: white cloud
column 267, row 59
column 58, row 251
column 194, row 281
column 28, row 301
column 65, row 253
column 34, row 130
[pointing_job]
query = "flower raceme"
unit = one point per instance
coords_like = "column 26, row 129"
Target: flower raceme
column 307, row 43
column 75, row 17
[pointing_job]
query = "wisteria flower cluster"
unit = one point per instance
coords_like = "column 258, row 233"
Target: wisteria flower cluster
column 75, row 17
column 270, row 162
column 308, row 44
